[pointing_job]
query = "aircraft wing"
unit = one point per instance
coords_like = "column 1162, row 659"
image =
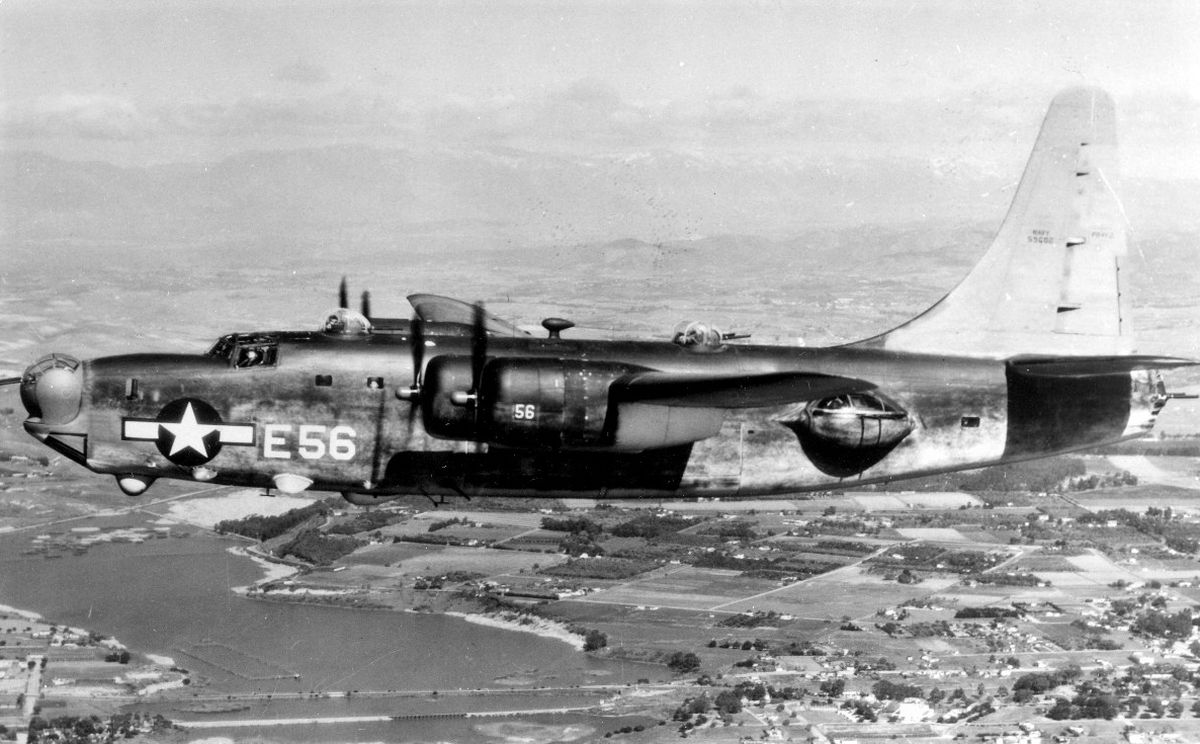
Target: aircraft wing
column 732, row 391
column 438, row 309
column 1094, row 366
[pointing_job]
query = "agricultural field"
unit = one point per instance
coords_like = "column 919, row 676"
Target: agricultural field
column 685, row 587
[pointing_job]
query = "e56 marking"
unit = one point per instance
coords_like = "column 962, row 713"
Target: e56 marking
column 309, row 441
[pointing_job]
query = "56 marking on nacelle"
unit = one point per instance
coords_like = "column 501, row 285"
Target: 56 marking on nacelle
column 309, row 441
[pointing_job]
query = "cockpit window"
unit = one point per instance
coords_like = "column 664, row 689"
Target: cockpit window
column 222, row 348
column 256, row 355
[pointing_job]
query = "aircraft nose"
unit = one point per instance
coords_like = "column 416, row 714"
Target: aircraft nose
column 52, row 389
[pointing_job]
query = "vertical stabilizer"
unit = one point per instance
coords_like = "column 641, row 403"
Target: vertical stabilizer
column 1051, row 282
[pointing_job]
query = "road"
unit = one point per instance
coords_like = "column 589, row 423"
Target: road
column 255, row 722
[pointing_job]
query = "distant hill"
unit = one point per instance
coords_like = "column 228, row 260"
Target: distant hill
column 507, row 195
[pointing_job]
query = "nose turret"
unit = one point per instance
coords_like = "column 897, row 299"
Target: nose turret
column 52, row 390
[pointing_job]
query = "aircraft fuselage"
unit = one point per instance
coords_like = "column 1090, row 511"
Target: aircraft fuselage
column 329, row 409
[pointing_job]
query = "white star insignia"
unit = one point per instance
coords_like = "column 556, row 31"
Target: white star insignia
column 189, row 433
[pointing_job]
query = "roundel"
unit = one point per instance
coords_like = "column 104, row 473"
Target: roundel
column 189, row 432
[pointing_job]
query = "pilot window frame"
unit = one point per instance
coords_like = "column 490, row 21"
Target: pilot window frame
column 250, row 355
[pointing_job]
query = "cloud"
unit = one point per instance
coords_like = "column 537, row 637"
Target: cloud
column 301, row 73
column 82, row 116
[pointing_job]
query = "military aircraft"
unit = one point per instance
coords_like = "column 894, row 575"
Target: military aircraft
column 1031, row 355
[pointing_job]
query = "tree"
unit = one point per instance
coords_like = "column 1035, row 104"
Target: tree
column 682, row 662
column 833, row 687
column 728, row 703
column 594, row 640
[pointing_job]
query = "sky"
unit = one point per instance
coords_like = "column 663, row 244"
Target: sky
column 138, row 83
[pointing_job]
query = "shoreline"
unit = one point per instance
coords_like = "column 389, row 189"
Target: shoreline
column 541, row 627
column 27, row 614
column 277, row 571
column 272, row 570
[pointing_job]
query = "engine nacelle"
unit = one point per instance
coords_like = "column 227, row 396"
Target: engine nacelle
column 538, row 403
column 549, row 403
column 553, row 404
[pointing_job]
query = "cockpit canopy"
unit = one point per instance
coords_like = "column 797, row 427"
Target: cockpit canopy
column 345, row 322
column 697, row 335
column 247, row 349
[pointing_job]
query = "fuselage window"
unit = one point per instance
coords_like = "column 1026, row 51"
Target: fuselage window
column 256, row 356
column 324, row 381
column 375, row 383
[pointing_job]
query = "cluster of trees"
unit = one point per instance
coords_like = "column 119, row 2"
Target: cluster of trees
column 651, row 526
column 1037, row 683
column 836, row 526
column 442, row 524
column 81, row 729
column 1085, row 705
column 594, row 640
column 757, row 644
column 756, row 619
column 1156, row 522
column 1156, row 624
column 318, row 548
column 365, row 521
column 260, row 528
column 580, row 543
column 1035, row 475
column 571, row 524
column 600, row 568
column 737, row 530
column 841, row 547
column 1108, row 480
column 974, row 613
column 117, row 657
column 682, row 662
column 885, row 690
column 1007, row 578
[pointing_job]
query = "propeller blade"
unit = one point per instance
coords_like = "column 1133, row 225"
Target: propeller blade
column 413, row 394
column 478, row 360
column 366, row 304
column 417, row 333
column 343, row 295
column 478, row 346
column 9, row 381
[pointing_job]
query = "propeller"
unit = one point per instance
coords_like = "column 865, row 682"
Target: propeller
column 417, row 341
column 366, row 304
column 343, row 295
column 9, row 381
column 478, row 359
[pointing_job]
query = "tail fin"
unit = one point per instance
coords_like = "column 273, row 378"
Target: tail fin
column 1052, row 281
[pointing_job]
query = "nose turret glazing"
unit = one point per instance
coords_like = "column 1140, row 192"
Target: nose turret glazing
column 52, row 389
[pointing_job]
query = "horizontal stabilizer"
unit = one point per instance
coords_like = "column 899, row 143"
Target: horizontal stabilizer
column 1094, row 366
column 732, row 391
